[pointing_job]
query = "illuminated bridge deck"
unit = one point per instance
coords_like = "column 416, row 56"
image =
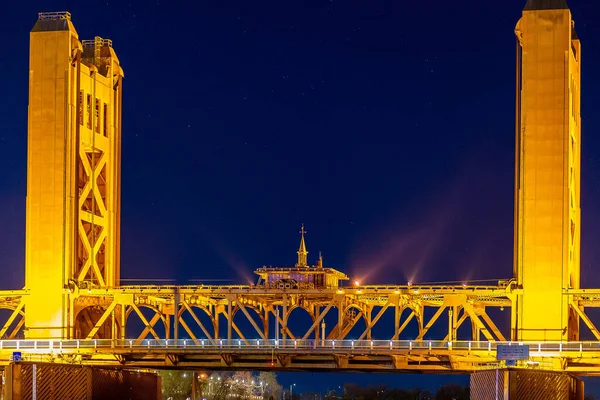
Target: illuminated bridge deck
column 152, row 315
column 307, row 355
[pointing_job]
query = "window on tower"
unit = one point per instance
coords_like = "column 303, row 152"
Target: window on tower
column 80, row 107
column 105, row 120
column 97, row 116
column 89, row 111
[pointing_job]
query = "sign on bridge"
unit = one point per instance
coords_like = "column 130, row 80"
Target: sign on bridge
column 512, row 352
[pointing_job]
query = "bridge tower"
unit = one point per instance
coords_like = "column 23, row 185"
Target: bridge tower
column 73, row 182
column 547, row 172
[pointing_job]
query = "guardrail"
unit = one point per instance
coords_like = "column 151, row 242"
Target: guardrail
column 45, row 16
column 259, row 345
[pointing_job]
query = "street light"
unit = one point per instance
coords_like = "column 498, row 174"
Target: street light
column 292, row 391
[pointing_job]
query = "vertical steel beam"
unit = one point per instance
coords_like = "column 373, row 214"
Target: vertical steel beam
column 450, row 324
column 285, row 315
column 176, row 301
column 431, row 322
column 368, row 311
column 373, row 322
column 265, row 312
column 123, row 321
column 317, row 322
column 229, row 318
column 340, row 322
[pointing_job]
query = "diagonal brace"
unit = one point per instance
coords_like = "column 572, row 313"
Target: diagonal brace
column 144, row 321
column 492, row 326
column 189, row 331
column 374, row 321
column 236, row 329
column 195, row 317
column 471, row 311
column 250, row 319
column 460, row 321
column 102, row 319
column 586, row 320
column 282, row 324
column 404, row 325
column 11, row 319
column 318, row 320
column 431, row 322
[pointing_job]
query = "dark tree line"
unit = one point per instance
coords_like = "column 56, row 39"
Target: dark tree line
column 179, row 385
column 450, row 391
column 353, row 391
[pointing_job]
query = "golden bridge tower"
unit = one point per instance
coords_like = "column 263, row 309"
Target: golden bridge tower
column 547, row 193
column 73, row 179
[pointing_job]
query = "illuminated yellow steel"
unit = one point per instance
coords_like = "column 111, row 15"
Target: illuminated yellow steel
column 153, row 306
column 302, row 252
column 548, row 146
column 437, row 360
column 73, row 187
column 72, row 238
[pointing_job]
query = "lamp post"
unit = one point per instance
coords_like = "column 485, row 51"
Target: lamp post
column 194, row 377
column 292, row 391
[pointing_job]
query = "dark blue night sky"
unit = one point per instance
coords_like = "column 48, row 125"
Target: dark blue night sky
column 387, row 128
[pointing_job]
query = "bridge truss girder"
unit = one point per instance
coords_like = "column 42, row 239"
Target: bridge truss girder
column 258, row 305
column 206, row 309
column 244, row 313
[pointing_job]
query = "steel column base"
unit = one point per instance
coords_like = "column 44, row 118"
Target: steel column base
column 41, row 381
column 521, row 384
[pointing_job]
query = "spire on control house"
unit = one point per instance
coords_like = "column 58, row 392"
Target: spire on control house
column 302, row 253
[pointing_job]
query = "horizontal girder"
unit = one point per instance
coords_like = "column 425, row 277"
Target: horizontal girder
column 492, row 295
column 310, row 355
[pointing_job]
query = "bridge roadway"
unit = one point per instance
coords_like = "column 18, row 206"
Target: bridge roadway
column 304, row 355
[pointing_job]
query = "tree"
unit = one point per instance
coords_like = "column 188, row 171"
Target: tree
column 240, row 384
column 421, row 394
column 176, row 384
column 452, row 391
column 215, row 386
column 352, row 391
column 332, row 395
column 270, row 387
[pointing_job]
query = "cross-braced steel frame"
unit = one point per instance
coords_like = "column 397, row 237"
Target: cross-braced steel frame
column 243, row 315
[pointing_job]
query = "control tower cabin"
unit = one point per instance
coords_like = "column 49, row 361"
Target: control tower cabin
column 301, row 276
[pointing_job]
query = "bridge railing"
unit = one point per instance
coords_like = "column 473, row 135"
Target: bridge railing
column 260, row 345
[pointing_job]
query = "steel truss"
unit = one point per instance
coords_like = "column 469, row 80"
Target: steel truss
column 204, row 307
column 209, row 315
column 200, row 311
